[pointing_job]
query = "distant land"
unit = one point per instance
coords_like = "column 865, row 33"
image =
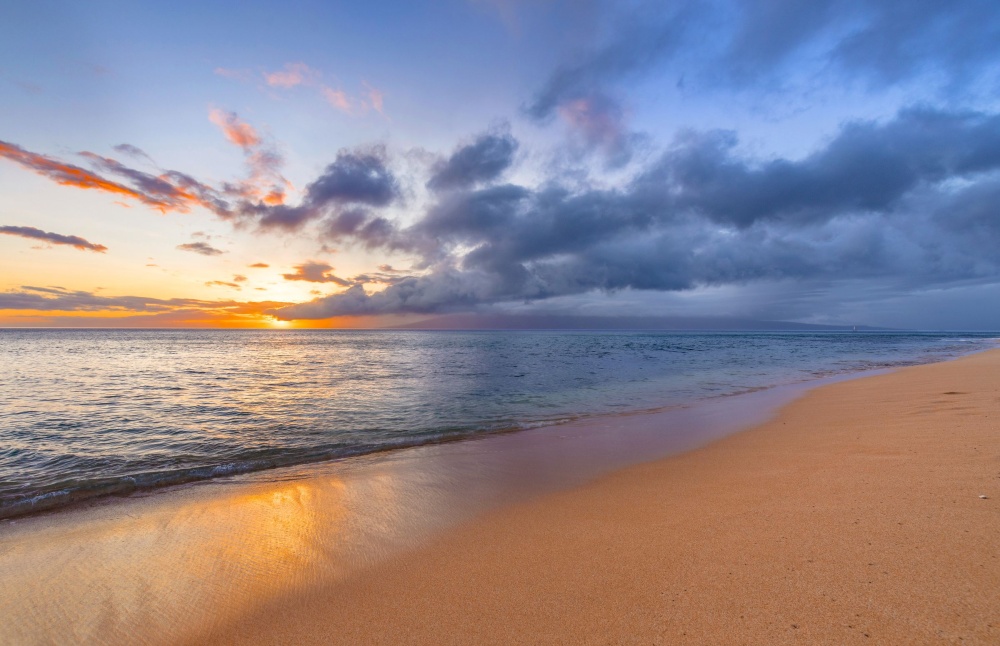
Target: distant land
column 570, row 322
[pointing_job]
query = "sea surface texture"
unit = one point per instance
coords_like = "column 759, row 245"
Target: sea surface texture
column 85, row 413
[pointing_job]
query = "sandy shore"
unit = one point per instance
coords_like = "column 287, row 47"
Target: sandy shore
column 854, row 516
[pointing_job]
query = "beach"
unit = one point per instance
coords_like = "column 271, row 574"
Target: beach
column 862, row 512
column 855, row 516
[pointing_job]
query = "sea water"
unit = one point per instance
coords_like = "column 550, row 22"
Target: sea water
column 86, row 413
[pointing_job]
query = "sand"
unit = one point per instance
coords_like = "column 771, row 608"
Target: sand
column 854, row 516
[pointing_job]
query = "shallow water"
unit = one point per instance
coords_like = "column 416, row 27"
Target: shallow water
column 86, row 413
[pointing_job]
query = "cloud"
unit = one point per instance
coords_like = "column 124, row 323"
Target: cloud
column 237, row 131
column 909, row 202
column 757, row 45
column 484, row 160
column 390, row 277
column 443, row 291
column 867, row 167
column 316, row 272
column 70, row 175
column 299, row 74
column 338, row 99
column 265, row 182
column 239, row 278
column 169, row 191
column 221, row 283
column 292, row 75
column 648, row 34
column 884, row 42
column 58, row 299
column 359, row 177
column 376, row 98
column 599, row 121
column 202, row 248
column 259, row 265
column 52, row 238
column 132, row 151
column 373, row 99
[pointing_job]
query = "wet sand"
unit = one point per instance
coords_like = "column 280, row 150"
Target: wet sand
column 854, row 516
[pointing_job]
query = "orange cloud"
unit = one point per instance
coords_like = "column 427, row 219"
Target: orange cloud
column 239, row 132
column 265, row 183
column 274, row 197
column 67, row 174
column 316, row 272
column 172, row 190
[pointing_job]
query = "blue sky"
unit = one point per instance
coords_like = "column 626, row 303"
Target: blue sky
column 831, row 162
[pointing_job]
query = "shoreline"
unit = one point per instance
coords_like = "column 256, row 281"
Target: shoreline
column 864, row 512
column 314, row 531
column 112, row 488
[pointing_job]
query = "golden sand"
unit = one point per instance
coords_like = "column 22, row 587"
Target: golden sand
column 854, row 516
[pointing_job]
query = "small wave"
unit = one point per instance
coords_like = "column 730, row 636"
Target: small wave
column 66, row 494
column 206, row 436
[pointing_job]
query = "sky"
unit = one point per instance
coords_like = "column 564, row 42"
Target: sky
column 347, row 164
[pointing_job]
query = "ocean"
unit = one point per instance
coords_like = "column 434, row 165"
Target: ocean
column 88, row 413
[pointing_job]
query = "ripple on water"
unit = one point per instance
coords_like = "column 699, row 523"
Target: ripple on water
column 87, row 413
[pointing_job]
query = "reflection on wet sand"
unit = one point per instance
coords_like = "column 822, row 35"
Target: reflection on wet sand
column 149, row 570
column 163, row 568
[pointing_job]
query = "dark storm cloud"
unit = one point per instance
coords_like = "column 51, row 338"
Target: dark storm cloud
column 361, row 226
column 356, row 177
column 443, row 291
column 867, row 167
column 910, row 200
column 473, row 214
column 484, row 160
column 52, row 238
column 346, row 223
column 359, row 177
column 202, row 248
